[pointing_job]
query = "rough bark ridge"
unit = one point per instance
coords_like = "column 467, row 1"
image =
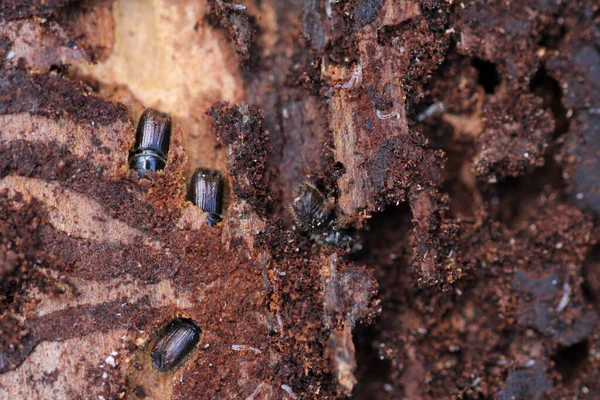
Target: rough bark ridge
column 458, row 139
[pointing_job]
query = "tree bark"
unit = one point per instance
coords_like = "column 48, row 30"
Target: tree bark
column 454, row 142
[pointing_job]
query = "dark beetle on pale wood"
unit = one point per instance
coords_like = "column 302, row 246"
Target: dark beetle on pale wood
column 152, row 139
column 176, row 342
column 206, row 191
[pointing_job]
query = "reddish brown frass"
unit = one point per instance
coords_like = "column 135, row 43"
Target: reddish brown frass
column 152, row 138
column 206, row 191
column 177, row 341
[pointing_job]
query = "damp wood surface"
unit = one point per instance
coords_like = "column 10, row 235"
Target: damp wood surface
column 457, row 141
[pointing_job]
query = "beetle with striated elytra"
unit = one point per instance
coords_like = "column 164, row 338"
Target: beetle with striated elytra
column 152, row 139
column 207, row 192
column 175, row 343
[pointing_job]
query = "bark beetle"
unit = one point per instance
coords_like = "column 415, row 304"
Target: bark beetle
column 458, row 139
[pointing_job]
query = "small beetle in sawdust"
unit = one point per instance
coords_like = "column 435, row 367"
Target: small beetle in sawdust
column 152, row 139
column 177, row 341
column 207, row 192
column 314, row 215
